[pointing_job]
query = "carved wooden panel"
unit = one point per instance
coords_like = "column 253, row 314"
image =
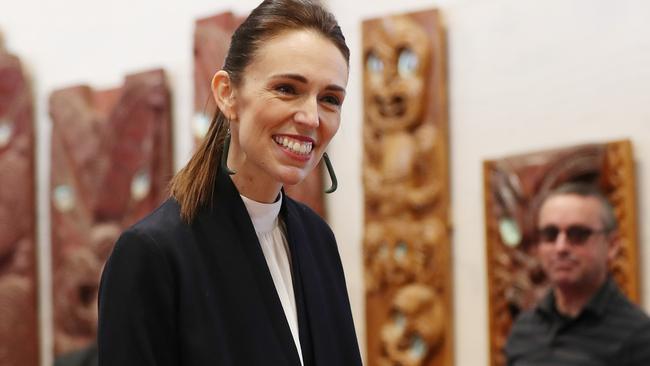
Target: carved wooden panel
column 405, row 176
column 514, row 188
column 111, row 163
column 18, row 278
column 211, row 42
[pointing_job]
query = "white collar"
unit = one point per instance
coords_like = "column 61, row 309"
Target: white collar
column 263, row 215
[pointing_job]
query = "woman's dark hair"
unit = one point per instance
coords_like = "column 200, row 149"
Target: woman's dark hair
column 193, row 185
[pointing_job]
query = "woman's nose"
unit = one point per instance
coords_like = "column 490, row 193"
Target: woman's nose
column 307, row 113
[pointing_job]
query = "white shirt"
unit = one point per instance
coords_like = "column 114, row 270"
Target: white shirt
column 276, row 252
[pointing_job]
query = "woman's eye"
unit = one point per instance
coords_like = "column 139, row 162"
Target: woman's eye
column 332, row 100
column 285, row 89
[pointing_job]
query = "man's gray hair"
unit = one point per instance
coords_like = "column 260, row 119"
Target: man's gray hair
column 608, row 216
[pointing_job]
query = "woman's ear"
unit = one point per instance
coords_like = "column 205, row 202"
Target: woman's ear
column 223, row 92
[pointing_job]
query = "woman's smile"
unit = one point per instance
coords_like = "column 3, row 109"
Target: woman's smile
column 299, row 147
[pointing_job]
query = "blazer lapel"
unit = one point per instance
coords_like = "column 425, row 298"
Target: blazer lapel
column 294, row 238
column 315, row 328
column 324, row 314
column 228, row 221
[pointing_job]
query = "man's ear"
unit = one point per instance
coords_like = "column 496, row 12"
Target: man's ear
column 223, row 92
column 614, row 242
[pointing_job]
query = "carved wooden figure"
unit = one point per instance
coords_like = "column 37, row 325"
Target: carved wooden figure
column 514, row 188
column 405, row 177
column 111, row 162
column 18, row 278
column 211, row 42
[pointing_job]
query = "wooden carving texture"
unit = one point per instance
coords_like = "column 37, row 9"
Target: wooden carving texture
column 211, row 42
column 18, row 281
column 111, row 163
column 514, row 188
column 405, row 176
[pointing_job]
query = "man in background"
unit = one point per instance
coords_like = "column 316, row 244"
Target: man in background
column 584, row 319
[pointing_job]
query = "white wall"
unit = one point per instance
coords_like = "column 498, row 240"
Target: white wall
column 523, row 75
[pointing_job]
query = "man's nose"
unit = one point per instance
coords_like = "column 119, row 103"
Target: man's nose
column 561, row 242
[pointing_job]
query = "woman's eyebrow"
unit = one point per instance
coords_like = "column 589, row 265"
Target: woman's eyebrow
column 302, row 79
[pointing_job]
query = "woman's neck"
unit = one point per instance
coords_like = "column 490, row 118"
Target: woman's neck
column 250, row 180
column 255, row 188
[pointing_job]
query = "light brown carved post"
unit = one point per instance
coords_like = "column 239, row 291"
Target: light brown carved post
column 211, row 42
column 405, row 175
column 619, row 181
column 111, row 163
column 18, row 279
column 514, row 188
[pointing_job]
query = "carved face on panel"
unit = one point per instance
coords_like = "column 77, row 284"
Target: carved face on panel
column 398, row 252
column 397, row 56
column 416, row 328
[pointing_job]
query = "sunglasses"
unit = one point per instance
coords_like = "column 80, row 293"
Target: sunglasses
column 575, row 234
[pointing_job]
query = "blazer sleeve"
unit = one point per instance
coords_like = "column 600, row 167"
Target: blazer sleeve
column 137, row 320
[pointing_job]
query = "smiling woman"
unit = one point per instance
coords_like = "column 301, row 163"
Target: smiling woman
column 229, row 270
column 283, row 114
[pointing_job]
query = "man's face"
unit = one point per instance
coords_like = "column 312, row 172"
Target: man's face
column 578, row 256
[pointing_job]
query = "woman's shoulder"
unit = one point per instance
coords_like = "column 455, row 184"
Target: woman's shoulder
column 308, row 218
column 160, row 225
column 305, row 212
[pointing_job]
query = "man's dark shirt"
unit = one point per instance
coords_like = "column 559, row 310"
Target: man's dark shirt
column 610, row 331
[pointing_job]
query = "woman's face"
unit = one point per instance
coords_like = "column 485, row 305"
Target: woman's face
column 285, row 111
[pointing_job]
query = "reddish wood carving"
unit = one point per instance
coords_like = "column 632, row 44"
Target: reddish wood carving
column 111, row 162
column 18, row 281
column 514, row 188
column 211, row 42
column 405, row 176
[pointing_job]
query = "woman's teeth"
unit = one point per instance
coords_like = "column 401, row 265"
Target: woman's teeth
column 296, row 146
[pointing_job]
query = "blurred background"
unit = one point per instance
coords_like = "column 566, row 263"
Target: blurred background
column 522, row 76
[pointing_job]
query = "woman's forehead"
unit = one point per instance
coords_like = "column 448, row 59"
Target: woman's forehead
column 305, row 52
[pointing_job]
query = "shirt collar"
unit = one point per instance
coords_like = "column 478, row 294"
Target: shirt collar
column 597, row 304
column 263, row 215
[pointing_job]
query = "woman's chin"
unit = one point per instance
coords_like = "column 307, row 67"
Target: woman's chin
column 292, row 176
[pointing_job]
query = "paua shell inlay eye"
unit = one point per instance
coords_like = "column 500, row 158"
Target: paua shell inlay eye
column 418, row 347
column 407, row 62
column 374, row 64
column 509, row 231
column 200, row 125
column 6, row 129
column 401, row 249
column 63, row 197
column 140, row 186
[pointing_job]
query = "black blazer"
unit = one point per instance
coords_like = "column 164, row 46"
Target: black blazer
column 201, row 294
